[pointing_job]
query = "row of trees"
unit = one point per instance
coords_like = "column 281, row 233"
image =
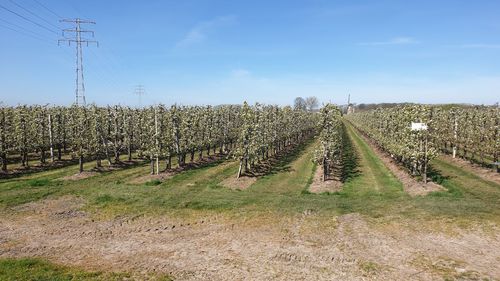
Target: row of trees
column 391, row 129
column 105, row 133
column 329, row 153
column 469, row 132
column 267, row 130
column 155, row 133
column 472, row 130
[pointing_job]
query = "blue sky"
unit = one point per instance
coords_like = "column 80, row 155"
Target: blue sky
column 213, row 52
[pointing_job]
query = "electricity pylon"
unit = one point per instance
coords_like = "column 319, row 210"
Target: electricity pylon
column 78, row 40
column 139, row 90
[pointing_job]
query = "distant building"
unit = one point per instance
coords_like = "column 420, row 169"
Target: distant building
column 350, row 108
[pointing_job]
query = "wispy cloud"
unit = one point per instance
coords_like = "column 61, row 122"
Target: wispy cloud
column 479, row 46
column 200, row 31
column 240, row 73
column 393, row 41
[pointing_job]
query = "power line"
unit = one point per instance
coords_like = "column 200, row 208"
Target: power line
column 29, row 33
column 32, row 33
column 30, row 12
column 46, row 8
column 26, row 34
column 102, row 75
column 27, row 19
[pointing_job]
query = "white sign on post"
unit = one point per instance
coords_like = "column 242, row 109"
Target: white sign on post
column 418, row 126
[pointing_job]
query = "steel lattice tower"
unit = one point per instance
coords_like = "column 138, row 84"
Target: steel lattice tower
column 78, row 40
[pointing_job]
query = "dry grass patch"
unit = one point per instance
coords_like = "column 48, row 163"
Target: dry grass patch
column 149, row 178
column 241, row 183
column 80, row 176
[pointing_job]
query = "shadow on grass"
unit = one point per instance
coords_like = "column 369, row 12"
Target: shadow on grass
column 281, row 161
column 37, row 168
column 19, row 172
column 206, row 162
column 350, row 159
column 348, row 168
column 436, row 176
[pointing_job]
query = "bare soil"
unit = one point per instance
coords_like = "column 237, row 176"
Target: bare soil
column 411, row 185
column 302, row 247
column 480, row 171
column 318, row 185
column 80, row 176
column 241, row 183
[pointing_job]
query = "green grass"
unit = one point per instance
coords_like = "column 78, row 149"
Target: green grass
column 371, row 190
column 39, row 270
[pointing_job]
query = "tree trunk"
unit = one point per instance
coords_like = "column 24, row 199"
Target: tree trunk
column 42, row 156
column 26, row 159
column 98, row 162
column 4, row 162
column 495, row 160
column 106, row 151
column 425, row 159
column 192, row 155
column 325, row 169
column 455, row 137
column 157, row 165
column 152, row 162
column 179, row 160
column 80, row 164
column 240, row 169
column 169, row 162
column 117, row 156
column 59, row 152
column 129, row 150
column 51, row 142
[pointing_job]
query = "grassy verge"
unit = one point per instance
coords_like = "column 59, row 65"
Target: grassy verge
column 37, row 269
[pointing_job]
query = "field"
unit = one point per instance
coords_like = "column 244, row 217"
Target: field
column 190, row 225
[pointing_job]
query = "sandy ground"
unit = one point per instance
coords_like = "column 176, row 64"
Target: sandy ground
column 304, row 247
column 318, row 185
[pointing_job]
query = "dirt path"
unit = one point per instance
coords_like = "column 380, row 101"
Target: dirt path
column 304, row 247
column 319, row 185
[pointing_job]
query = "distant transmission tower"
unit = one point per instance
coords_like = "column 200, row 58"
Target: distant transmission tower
column 78, row 40
column 139, row 90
